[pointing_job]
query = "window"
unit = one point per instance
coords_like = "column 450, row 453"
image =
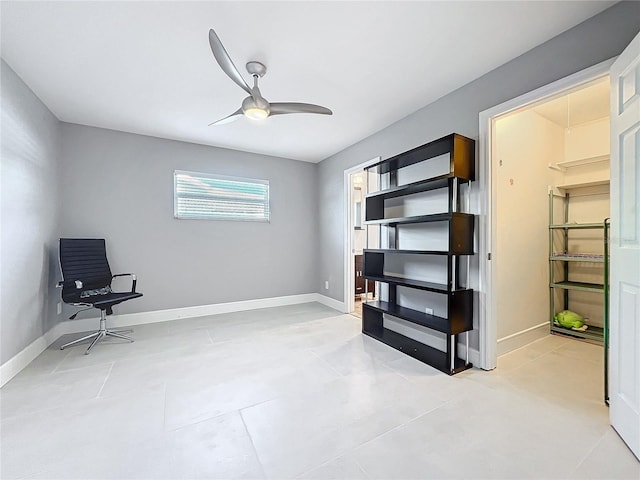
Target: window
column 216, row 197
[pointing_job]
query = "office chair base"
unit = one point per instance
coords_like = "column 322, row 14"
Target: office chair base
column 99, row 335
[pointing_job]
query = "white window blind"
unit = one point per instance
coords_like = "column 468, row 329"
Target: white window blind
column 217, row 197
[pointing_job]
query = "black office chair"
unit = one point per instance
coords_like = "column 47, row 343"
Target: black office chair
column 86, row 282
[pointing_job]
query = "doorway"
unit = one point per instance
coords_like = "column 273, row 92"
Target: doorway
column 551, row 192
column 547, row 173
column 516, row 180
column 358, row 237
column 550, row 183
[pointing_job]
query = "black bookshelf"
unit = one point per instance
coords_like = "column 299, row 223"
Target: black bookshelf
column 460, row 242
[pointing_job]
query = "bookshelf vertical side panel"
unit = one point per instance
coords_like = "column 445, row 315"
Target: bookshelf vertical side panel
column 461, row 311
column 461, row 234
column 372, row 321
column 373, row 264
column 374, row 208
column 463, row 158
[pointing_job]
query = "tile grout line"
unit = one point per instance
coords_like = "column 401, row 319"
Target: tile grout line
column 48, row 408
column 75, row 369
column 253, row 446
column 584, row 458
column 55, row 370
column 353, row 449
column 362, row 469
column 534, row 359
column 164, row 408
column 394, row 370
column 403, row 424
column 217, row 415
column 105, row 380
column 340, row 375
column 164, row 411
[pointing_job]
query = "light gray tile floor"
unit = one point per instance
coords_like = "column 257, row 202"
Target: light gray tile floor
column 299, row 392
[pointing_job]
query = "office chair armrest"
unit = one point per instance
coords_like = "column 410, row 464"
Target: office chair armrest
column 134, row 279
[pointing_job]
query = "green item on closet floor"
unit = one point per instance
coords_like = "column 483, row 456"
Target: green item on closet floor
column 569, row 319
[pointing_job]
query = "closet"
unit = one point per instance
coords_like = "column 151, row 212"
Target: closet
column 552, row 199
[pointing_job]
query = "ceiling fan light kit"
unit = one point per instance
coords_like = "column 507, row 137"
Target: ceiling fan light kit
column 255, row 106
column 255, row 113
column 256, row 109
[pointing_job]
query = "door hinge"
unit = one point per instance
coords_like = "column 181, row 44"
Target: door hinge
column 489, row 256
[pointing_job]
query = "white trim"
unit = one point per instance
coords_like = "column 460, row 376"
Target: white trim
column 520, row 339
column 331, row 303
column 157, row 316
column 487, row 322
column 14, row 365
column 348, row 258
column 487, row 329
column 474, row 355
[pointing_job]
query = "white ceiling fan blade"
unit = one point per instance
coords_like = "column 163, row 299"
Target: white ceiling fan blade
column 223, row 59
column 231, row 118
column 281, row 108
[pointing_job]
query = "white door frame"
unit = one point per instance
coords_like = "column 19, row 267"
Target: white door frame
column 488, row 324
column 349, row 280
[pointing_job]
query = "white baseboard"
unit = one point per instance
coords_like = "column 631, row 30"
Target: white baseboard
column 474, row 355
column 14, row 365
column 332, row 303
column 520, row 339
column 156, row 316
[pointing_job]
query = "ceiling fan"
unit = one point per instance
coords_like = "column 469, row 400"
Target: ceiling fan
column 255, row 106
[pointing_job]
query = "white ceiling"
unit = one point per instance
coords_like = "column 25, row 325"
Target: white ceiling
column 146, row 67
column 581, row 106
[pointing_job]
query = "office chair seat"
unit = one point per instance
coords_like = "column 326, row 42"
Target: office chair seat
column 111, row 299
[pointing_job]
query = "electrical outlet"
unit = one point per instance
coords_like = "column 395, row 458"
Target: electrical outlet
column 326, row 284
column 429, row 311
column 59, row 308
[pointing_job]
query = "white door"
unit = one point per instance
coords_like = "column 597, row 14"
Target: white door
column 624, row 374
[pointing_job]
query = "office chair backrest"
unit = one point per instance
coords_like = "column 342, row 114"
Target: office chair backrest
column 83, row 260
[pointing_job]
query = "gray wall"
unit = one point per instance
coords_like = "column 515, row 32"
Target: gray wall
column 120, row 186
column 595, row 40
column 28, row 215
